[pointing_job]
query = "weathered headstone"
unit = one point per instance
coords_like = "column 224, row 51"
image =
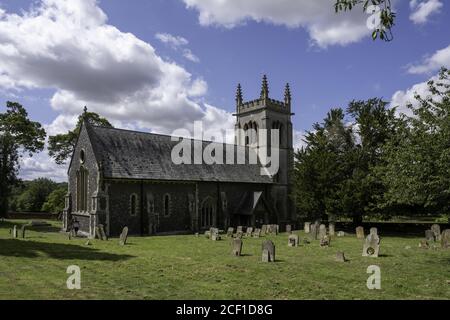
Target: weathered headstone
column 237, row 247
column 257, row 233
column 340, row 257
column 429, row 235
column 289, row 228
column 230, row 232
column 208, row 234
column 360, row 232
column 341, row 234
column 437, row 232
column 445, row 239
column 97, row 233
column 424, row 244
column 103, row 235
column 249, row 231
column 263, row 230
column 277, row 229
column 268, row 251
column 22, row 231
column 215, row 235
column 331, row 229
column 314, row 231
column 123, row 236
column 293, row 240
column 14, row 232
column 307, row 226
column 371, row 246
column 325, row 241
column 239, row 228
column 373, row 230
column 322, row 231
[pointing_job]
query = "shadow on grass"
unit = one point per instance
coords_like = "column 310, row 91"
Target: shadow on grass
column 45, row 229
column 30, row 249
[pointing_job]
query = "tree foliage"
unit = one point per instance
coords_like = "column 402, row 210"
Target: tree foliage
column 55, row 200
column 18, row 134
column 61, row 146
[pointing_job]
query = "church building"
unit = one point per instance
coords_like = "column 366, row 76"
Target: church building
column 121, row 178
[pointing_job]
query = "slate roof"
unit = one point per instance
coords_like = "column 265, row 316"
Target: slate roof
column 128, row 154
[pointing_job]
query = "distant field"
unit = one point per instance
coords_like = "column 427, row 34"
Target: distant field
column 187, row 267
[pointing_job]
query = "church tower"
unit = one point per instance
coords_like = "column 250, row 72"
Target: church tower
column 269, row 114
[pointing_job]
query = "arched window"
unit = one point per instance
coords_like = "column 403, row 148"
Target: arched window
column 150, row 204
column 82, row 190
column 207, row 214
column 133, row 204
column 166, row 205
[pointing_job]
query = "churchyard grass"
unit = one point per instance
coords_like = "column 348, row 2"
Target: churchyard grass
column 189, row 267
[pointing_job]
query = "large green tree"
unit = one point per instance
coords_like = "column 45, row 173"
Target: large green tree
column 35, row 195
column 56, row 200
column 18, row 134
column 61, row 146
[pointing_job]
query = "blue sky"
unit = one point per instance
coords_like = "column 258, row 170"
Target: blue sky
column 230, row 45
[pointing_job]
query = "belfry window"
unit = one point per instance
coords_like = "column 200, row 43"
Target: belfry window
column 82, row 190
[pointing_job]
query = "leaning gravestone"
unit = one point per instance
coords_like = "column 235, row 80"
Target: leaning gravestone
column 123, row 236
column 360, row 232
column 237, row 247
column 322, row 231
column 230, row 232
column 249, row 231
column 429, row 235
column 22, row 231
column 257, row 233
column 325, row 241
column 340, row 257
column 445, row 239
column 102, row 232
column 289, row 228
column 372, row 244
column 268, row 251
column 437, row 232
column 293, row 240
column 331, row 229
column 14, row 232
column 307, row 226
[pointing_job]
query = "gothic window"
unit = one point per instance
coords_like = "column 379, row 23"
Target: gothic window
column 82, row 190
column 207, row 218
column 133, row 204
column 150, row 204
column 251, row 133
column 166, row 203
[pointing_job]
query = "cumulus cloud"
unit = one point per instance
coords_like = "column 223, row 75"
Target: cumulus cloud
column 422, row 10
column 176, row 43
column 325, row 27
column 440, row 58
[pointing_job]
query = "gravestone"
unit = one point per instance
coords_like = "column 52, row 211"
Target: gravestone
column 293, row 240
column 313, row 232
column 424, row 244
column 322, row 231
column 14, row 232
column 277, row 229
column 239, row 228
column 373, row 230
column 123, row 236
column 208, row 234
column 268, row 251
column 215, row 235
column 325, row 241
column 230, row 232
column 22, row 231
column 437, row 232
column 237, row 247
column 445, row 239
column 103, row 235
column 307, row 226
column 371, row 246
column 429, row 235
column 97, row 233
column 331, row 229
column 341, row 234
column 257, row 233
column 360, row 232
column 263, row 230
column 289, row 228
column 340, row 257
column 239, row 234
column 249, row 232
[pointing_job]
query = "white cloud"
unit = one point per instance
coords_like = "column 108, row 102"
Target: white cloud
column 299, row 136
column 325, row 27
column 422, row 10
column 440, row 58
column 187, row 53
column 174, row 41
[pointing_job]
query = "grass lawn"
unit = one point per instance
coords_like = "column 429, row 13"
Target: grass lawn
column 189, row 267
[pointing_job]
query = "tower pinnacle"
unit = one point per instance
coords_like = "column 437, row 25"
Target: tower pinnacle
column 265, row 88
column 239, row 95
column 287, row 94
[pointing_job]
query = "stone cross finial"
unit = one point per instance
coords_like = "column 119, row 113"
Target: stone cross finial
column 265, row 88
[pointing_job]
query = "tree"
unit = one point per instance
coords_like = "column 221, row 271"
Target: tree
column 386, row 14
column 35, row 195
column 18, row 134
column 61, row 146
column 56, row 200
column 416, row 174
